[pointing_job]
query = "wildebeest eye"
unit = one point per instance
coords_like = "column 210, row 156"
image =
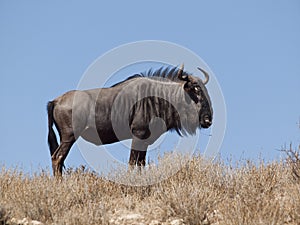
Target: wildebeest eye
column 197, row 89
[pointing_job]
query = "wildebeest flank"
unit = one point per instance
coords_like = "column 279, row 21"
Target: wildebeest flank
column 140, row 108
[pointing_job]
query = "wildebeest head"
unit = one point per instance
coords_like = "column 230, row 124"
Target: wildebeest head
column 196, row 90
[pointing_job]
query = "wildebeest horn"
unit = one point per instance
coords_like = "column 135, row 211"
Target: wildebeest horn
column 205, row 74
column 180, row 73
column 181, row 67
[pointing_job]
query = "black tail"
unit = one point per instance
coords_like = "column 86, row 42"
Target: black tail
column 52, row 141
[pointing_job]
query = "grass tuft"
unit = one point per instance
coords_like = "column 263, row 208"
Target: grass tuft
column 201, row 192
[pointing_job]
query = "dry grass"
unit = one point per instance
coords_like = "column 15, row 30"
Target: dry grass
column 202, row 192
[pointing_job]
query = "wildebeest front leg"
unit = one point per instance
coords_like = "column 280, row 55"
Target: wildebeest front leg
column 59, row 157
column 138, row 153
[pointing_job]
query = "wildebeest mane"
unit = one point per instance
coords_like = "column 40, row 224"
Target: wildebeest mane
column 169, row 73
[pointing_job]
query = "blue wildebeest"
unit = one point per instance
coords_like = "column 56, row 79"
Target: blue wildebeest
column 140, row 108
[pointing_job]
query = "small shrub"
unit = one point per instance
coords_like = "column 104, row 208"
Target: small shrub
column 293, row 160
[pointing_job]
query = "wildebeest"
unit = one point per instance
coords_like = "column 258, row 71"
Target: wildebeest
column 140, row 108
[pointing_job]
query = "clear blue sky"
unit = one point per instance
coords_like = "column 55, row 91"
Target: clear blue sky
column 253, row 48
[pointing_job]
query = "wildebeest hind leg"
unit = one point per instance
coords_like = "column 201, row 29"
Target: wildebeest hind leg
column 60, row 155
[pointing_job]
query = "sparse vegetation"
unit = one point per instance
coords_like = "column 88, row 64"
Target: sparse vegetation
column 202, row 192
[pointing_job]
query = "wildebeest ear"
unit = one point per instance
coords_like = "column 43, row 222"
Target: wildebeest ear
column 187, row 87
column 180, row 74
column 191, row 93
